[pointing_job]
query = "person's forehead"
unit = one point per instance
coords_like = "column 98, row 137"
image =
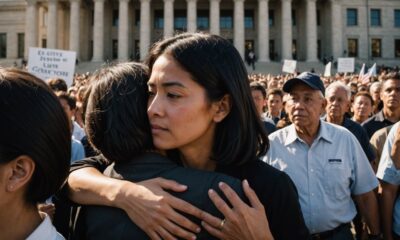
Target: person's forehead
column 391, row 83
column 335, row 92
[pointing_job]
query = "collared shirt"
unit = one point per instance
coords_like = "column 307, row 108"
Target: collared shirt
column 376, row 122
column 326, row 173
column 388, row 173
column 45, row 231
column 77, row 132
column 361, row 135
column 77, row 150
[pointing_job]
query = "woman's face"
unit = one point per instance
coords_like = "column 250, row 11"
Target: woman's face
column 179, row 112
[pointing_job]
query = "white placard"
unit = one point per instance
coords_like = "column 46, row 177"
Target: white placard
column 47, row 63
column 327, row 72
column 345, row 65
column 289, row 66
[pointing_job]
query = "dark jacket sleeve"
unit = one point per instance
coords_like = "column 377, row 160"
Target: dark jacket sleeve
column 285, row 209
column 99, row 162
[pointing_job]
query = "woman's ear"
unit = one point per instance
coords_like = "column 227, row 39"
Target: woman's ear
column 223, row 108
column 20, row 172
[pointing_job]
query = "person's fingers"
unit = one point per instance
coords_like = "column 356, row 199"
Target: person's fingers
column 153, row 235
column 231, row 195
column 185, row 207
column 175, row 224
column 252, row 196
column 211, row 220
column 171, row 185
column 221, row 204
column 164, row 234
column 213, row 231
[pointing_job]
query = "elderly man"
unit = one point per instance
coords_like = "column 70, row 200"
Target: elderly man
column 338, row 97
column 326, row 163
column 390, row 114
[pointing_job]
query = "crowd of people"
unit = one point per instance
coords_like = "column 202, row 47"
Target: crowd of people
column 188, row 146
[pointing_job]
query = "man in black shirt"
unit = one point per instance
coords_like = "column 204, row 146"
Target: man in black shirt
column 390, row 114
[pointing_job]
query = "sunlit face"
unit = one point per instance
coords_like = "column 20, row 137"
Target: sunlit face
column 390, row 94
column 362, row 107
column 259, row 100
column 375, row 93
column 305, row 106
column 337, row 103
column 180, row 114
column 275, row 103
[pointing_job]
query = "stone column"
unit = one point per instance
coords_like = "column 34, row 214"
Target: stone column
column 191, row 15
column 98, row 31
column 31, row 27
column 263, row 31
column 238, row 23
column 214, row 16
column 74, row 33
column 336, row 29
column 168, row 18
column 52, row 24
column 311, row 30
column 123, row 30
column 145, row 28
column 286, row 29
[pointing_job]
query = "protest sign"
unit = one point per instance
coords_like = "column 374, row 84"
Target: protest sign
column 289, row 66
column 328, row 68
column 50, row 63
column 345, row 65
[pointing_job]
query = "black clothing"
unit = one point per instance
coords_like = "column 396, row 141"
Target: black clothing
column 269, row 127
column 361, row 135
column 113, row 223
column 376, row 122
column 274, row 188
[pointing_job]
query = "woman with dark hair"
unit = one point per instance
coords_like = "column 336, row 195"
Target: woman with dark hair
column 201, row 112
column 118, row 127
column 35, row 150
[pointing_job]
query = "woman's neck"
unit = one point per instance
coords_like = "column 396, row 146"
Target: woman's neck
column 18, row 220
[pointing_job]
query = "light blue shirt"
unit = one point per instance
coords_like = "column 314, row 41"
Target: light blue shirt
column 388, row 173
column 326, row 173
column 77, row 150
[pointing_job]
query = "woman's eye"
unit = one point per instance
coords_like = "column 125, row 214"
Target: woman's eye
column 174, row 96
column 151, row 93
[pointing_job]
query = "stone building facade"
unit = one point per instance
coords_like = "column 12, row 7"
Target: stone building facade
column 306, row 30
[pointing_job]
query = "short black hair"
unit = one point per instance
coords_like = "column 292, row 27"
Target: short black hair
column 216, row 65
column 256, row 86
column 33, row 123
column 71, row 101
column 116, row 114
column 57, row 84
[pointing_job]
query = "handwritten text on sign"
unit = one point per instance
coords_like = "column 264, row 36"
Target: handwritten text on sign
column 49, row 63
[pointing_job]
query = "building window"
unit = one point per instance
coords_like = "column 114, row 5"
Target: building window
column 226, row 19
column 115, row 17
column 376, row 48
column 294, row 49
column 397, row 18
column 249, row 19
column 318, row 18
column 272, row 54
column 271, row 16
column 137, row 17
column 92, row 17
column 21, row 45
column 352, row 47
column 3, row 45
column 352, row 17
column 293, row 17
column 158, row 19
column 375, row 17
column 203, row 21
column 180, row 20
column 397, row 48
column 319, row 52
column 114, row 49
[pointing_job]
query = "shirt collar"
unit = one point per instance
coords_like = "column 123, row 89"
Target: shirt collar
column 44, row 231
column 323, row 133
column 379, row 116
